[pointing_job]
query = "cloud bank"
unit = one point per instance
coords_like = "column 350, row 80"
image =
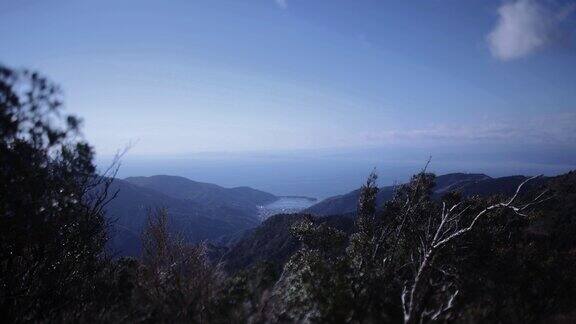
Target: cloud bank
column 553, row 129
column 524, row 27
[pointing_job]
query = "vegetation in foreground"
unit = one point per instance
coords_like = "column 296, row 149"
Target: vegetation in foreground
column 416, row 259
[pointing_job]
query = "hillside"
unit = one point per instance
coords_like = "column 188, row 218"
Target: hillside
column 245, row 199
column 466, row 184
column 195, row 221
column 272, row 241
column 203, row 211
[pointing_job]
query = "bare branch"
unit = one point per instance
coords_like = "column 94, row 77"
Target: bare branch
column 447, row 231
column 443, row 309
column 520, row 188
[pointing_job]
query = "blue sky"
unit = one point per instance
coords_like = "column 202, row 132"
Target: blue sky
column 179, row 77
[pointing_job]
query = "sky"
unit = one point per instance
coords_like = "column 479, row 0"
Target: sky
column 181, row 77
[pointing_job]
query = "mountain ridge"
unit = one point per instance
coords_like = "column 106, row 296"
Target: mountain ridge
column 195, row 220
column 184, row 188
column 468, row 184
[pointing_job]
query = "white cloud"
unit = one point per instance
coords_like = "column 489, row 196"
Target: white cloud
column 282, row 3
column 523, row 27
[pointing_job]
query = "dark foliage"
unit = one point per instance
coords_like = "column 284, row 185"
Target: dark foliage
column 425, row 260
column 52, row 230
column 273, row 242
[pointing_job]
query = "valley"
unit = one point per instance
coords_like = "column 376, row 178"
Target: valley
column 206, row 212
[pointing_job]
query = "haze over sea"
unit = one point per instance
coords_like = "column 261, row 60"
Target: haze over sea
column 328, row 172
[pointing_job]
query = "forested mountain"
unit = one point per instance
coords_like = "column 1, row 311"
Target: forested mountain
column 193, row 220
column 198, row 211
column 464, row 183
column 244, row 198
column 511, row 260
column 272, row 242
column 208, row 212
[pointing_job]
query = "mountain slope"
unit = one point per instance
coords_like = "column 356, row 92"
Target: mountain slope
column 195, row 221
column 467, row 184
column 244, row 199
column 272, row 241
